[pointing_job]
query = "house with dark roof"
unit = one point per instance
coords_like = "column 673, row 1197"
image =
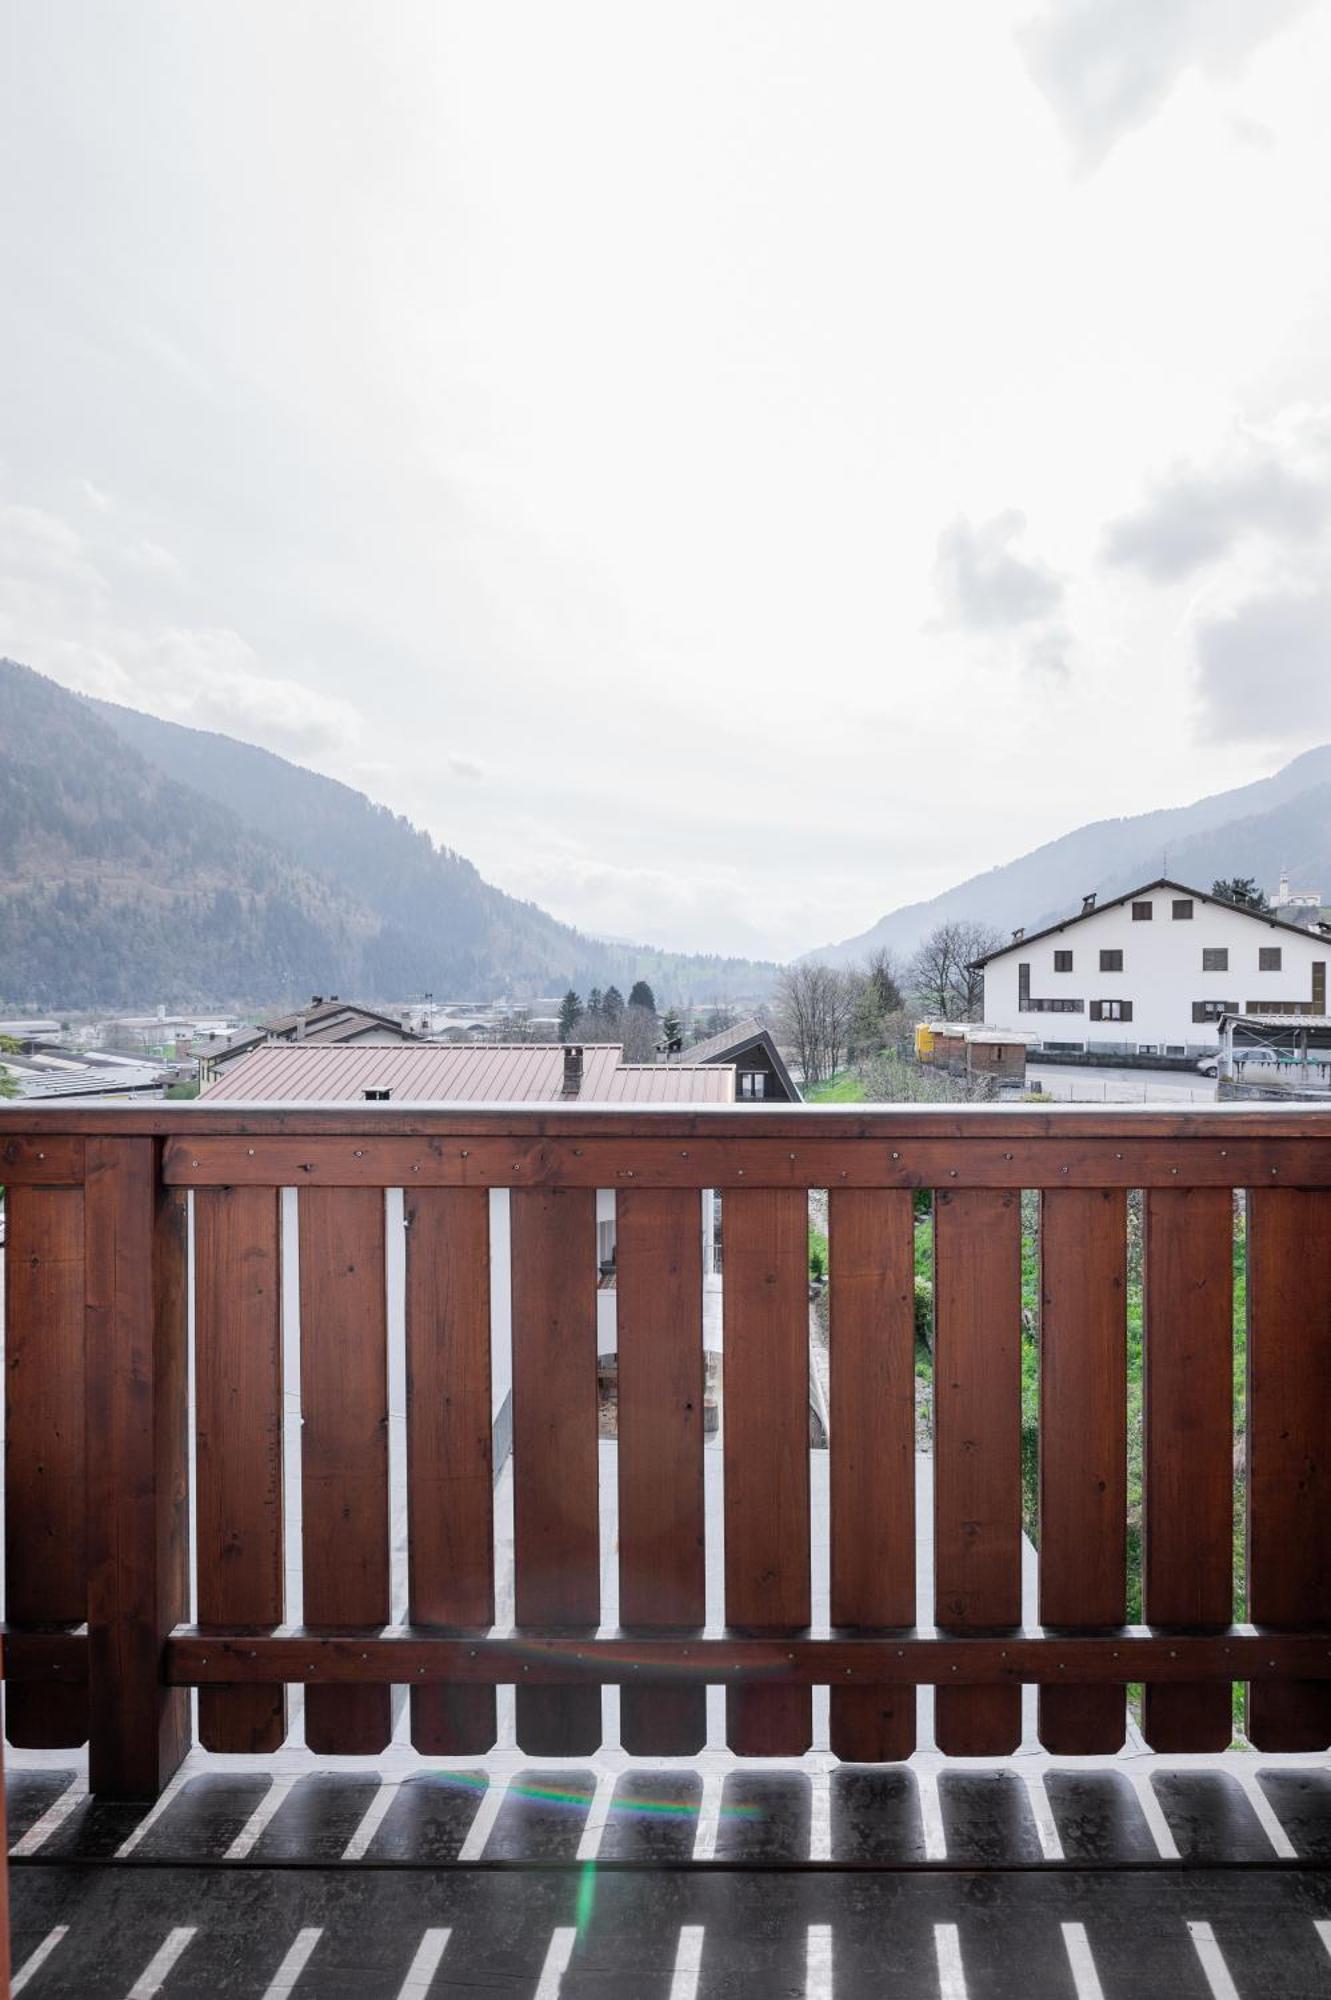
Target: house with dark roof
column 323, row 1023
column 761, row 1075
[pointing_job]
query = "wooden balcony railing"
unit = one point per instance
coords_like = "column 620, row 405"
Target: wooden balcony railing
column 100, row 1409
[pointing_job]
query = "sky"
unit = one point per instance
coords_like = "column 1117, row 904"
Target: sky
column 727, row 469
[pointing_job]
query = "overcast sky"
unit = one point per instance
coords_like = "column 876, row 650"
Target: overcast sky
column 728, row 469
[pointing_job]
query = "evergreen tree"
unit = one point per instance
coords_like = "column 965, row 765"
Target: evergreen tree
column 570, row 1007
column 612, row 1005
column 641, row 995
column 595, row 1004
column 672, row 1028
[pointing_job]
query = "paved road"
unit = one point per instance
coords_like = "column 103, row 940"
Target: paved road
column 1093, row 1085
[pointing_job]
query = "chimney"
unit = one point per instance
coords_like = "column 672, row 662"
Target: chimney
column 1019, row 934
column 316, row 999
column 1088, row 903
column 572, row 1071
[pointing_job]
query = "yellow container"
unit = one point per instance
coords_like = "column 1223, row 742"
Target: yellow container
column 924, row 1042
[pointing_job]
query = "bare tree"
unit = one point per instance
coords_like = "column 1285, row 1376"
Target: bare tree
column 814, row 1008
column 944, row 979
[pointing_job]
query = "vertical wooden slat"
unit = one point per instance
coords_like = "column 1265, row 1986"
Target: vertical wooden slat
column 344, row 1447
column 450, row 1510
column 1289, row 1450
column 1083, row 1447
column 662, row 1546
column 977, row 1449
column 871, row 1301
column 1188, row 1451
column 238, row 1400
column 136, row 1414
column 766, row 1451
column 4, row 1864
column 45, row 1566
column 556, row 1484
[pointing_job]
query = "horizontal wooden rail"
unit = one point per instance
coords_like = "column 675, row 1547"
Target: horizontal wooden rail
column 61, row 1657
column 481, row 1161
column 1133, row 1653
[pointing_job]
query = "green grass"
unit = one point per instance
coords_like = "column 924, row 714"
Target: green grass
column 843, row 1088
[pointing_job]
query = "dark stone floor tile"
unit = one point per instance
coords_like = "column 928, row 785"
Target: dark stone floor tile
column 542, row 1816
column 430, row 1817
column 95, row 1829
column 29, row 1794
column 765, row 1816
column 876, row 1814
column 1301, row 1801
column 204, row 1817
column 316, row 1819
column 1210, row 1818
column 987, row 1818
column 653, row 1817
column 1099, row 1817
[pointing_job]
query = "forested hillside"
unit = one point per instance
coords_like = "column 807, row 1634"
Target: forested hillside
column 141, row 862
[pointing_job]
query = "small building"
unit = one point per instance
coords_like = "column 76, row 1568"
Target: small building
column 970, row 1049
column 1274, row 1055
column 761, row 1075
column 324, row 1023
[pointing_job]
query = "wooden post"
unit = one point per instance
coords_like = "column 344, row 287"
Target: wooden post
column 4, row 1873
column 137, row 1465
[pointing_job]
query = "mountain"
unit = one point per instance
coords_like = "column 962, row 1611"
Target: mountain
column 1283, row 821
column 142, row 862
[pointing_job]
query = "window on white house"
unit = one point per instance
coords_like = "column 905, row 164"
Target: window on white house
column 1268, row 958
column 1142, row 912
column 1111, row 961
column 1062, row 961
column 1215, row 958
column 1182, row 909
column 1111, row 1010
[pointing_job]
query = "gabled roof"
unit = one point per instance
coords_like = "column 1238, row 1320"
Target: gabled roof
column 328, row 1021
column 1266, row 917
column 733, row 1044
column 462, row 1073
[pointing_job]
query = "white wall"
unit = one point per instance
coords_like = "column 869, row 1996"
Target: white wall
column 1162, row 974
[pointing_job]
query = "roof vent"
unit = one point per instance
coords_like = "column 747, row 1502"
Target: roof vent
column 572, row 1071
column 380, row 1096
column 1088, row 903
column 316, row 999
column 1019, row 933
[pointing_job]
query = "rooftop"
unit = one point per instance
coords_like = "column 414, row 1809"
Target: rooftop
column 447, row 1072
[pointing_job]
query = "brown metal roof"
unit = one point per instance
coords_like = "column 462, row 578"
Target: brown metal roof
column 439, row 1072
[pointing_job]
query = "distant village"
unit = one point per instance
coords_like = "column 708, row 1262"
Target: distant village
column 1226, row 985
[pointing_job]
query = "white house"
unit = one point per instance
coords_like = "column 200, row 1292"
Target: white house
column 1150, row 973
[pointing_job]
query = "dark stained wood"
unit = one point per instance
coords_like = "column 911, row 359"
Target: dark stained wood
column 45, row 1497
column 871, row 1302
column 137, row 1467
column 4, row 1872
column 1289, row 1448
column 238, row 1398
column 556, row 1484
column 971, row 1663
column 765, row 1424
column 662, row 1536
column 344, row 1447
column 450, row 1510
column 212, row 1118
column 977, row 1450
column 810, row 1158
column 61, row 1657
column 55, row 1161
column 1188, row 1446
column 1083, row 1447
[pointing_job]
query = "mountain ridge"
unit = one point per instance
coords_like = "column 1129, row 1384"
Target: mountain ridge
column 144, row 861
column 1280, row 821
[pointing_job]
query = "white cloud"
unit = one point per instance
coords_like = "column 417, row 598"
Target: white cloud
column 1273, row 488
column 984, row 584
column 1264, row 668
column 1107, row 66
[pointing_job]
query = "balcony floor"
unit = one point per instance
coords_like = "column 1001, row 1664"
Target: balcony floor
column 697, row 1879
column 901, row 1881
